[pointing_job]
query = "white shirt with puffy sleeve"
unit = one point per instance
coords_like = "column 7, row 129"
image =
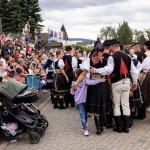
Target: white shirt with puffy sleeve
column 146, row 64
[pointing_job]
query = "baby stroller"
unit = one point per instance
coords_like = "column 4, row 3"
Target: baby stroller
column 26, row 115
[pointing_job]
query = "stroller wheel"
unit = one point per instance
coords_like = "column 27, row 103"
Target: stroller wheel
column 34, row 137
column 44, row 122
column 40, row 130
column 43, row 117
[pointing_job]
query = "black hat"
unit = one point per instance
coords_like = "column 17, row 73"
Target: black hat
column 135, row 43
column 147, row 43
column 114, row 41
column 68, row 48
column 107, row 43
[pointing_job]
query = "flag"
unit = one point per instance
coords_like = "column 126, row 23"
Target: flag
column 61, row 35
column 51, row 33
column 55, row 34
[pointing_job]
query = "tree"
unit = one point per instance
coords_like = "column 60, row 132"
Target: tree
column 3, row 7
column 108, row 33
column 137, row 35
column 65, row 35
column 31, row 12
column 148, row 33
column 18, row 12
column 125, row 34
column 3, row 11
column 142, row 40
column 14, row 18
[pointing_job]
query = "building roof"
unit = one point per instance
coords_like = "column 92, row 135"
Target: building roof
column 55, row 45
column 44, row 36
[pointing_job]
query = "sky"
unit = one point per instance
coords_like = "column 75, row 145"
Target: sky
column 85, row 18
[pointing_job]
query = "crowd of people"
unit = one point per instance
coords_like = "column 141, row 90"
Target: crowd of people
column 111, row 83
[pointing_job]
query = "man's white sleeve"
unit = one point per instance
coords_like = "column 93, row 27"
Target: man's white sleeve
column 107, row 70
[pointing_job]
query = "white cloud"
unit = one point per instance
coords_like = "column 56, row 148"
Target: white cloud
column 86, row 19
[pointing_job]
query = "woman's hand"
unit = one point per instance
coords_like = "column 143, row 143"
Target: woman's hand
column 67, row 79
column 92, row 70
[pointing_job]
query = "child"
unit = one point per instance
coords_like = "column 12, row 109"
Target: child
column 80, row 97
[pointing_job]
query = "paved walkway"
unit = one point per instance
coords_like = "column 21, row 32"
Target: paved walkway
column 64, row 133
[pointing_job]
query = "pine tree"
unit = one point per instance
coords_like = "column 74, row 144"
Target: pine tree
column 125, row 34
column 3, row 11
column 15, row 14
column 31, row 12
column 65, row 35
column 3, row 7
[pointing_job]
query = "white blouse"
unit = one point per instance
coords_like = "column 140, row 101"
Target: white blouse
column 85, row 65
column 146, row 64
column 61, row 64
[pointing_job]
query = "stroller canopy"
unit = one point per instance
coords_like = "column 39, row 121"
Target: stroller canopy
column 12, row 88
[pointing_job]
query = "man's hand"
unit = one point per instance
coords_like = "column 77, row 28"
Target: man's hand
column 134, row 87
column 92, row 70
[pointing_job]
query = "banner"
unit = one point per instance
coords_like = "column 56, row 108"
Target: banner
column 61, row 35
column 55, row 34
column 51, row 34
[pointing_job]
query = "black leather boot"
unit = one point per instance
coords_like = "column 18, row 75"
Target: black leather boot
column 118, row 122
column 97, row 124
column 131, row 119
column 102, row 120
column 66, row 99
column 55, row 102
column 109, row 121
column 126, row 122
column 61, row 102
column 141, row 113
column 52, row 98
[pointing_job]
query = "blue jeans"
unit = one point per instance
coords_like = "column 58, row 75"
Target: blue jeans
column 83, row 114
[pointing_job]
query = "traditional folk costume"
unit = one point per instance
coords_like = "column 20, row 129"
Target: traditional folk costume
column 122, row 69
column 146, row 75
column 136, row 97
column 49, row 77
column 60, row 82
column 146, row 81
column 138, row 93
column 69, row 67
column 109, row 116
column 98, row 95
